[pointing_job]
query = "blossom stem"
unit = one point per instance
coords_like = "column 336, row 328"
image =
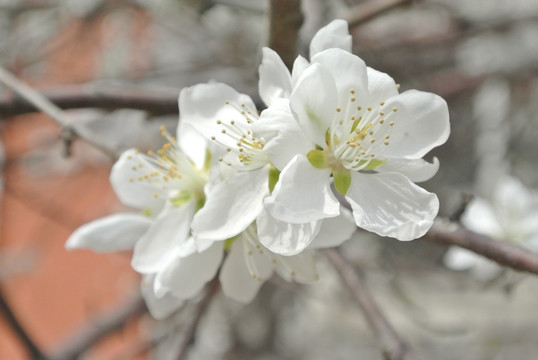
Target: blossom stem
column 188, row 336
column 502, row 252
column 392, row 345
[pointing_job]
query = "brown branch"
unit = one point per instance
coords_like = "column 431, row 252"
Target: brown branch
column 99, row 328
column 504, row 253
column 18, row 329
column 69, row 130
column 285, row 22
column 367, row 11
column 189, row 332
column 159, row 102
column 392, row 345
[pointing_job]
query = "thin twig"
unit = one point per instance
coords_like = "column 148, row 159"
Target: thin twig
column 286, row 20
column 189, row 332
column 18, row 329
column 99, row 328
column 39, row 101
column 502, row 252
column 155, row 101
column 392, row 345
column 367, row 11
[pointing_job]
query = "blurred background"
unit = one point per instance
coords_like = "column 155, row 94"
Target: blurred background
column 481, row 56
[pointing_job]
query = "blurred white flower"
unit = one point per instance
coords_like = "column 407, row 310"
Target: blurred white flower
column 511, row 215
column 357, row 128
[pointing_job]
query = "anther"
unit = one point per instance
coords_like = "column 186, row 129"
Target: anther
column 219, row 122
column 391, row 123
column 387, row 136
column 352, row 98
column 220, row 158
column 381, row 121
column 212, row 138
column 131, row 179
column 381, row 113
column 155, row 195
column 386, row 142
column 372, row 140
column 382, row 103
column 397, row 86
column 352, row 91
column 394, row 109
column 359, row 108
column 338, row 109
column 223, row 131
column 369, row 108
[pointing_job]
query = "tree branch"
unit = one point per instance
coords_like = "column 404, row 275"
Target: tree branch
column 502, row 252
column 40, row 102
column 18, row 329
column 366, row 11
column 100, row 327
column 392, row 345
column 285, row 22
column 189, row 332
column 158, row 102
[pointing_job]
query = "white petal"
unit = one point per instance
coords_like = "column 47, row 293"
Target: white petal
column 302, row 194
column 417, row 170
column 420, row 124
column 334, row 231
column 164, row 238
column 283, row 137
column 457, row 258
column 512, row 199
column 131, row 191
column 333, row 35
column 184, row 277
column 299, row 65
column 232, row 205
column 388, row 204
column 112, row 233
column 349, row 73
column 235, row 276
column 285, row 238
column 191, row 143
column 203, row 104
column 314, row 101
column 159, row 307
column 380, row 86
column 275, row 78
column 480, row 217
column 301, row 267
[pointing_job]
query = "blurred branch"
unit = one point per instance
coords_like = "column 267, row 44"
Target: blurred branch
column 69, row 131
column 286, row 20
column 392, row 345
column 18, row 329
column 504, row 253
column 99, row 328
column 91, row 96
column 368, row 10
column 189, row 332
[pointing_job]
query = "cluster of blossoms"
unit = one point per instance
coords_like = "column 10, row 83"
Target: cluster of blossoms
column 254, row 193
column 510, row 215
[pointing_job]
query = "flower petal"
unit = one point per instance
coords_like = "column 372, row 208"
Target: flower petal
column 192, row 143
column 112, row 233
column 203, row 104
column 420, row 124
column 301, row 267
column 349, row 73
column 480, row 217
column 126, row 178
column 302, row 194
column 417, row 170
column 237, row 281
column 232, row 205
column 459, row 259
column 299, row 65
column 283, row 137
column 285, row 238
column 314, row 101
column 159, row 307
column 380, row 86
column 275, row 78
column 164, row 238
column 184, row 277
column 334, row 231
column 333, row 35
column 388, row 204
